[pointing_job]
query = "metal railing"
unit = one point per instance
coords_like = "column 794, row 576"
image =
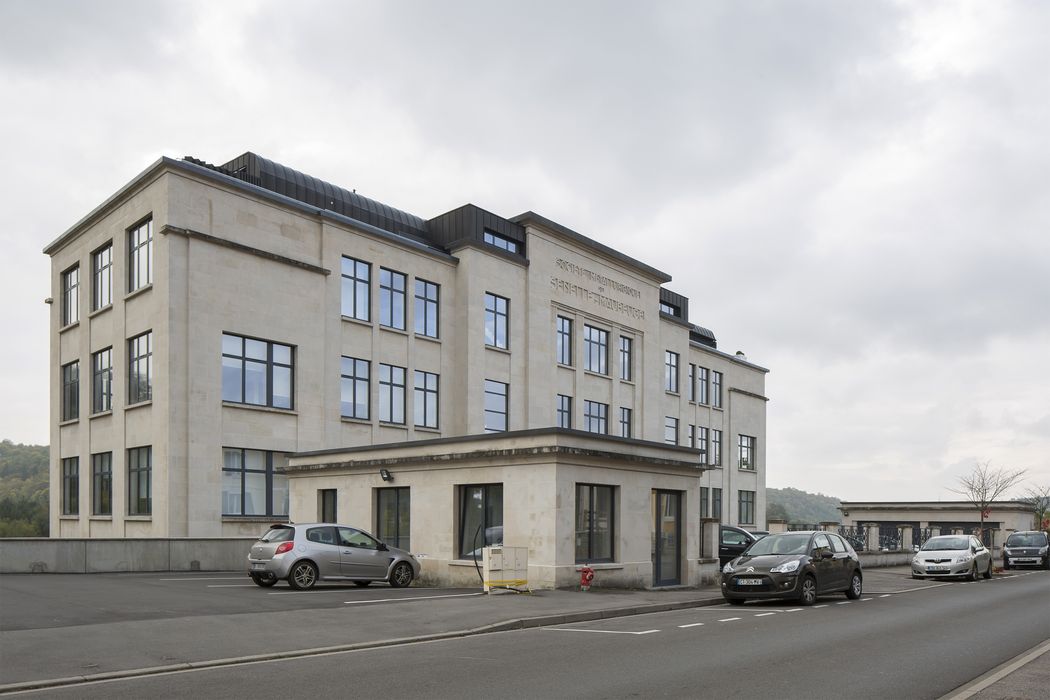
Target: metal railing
column 856, row 535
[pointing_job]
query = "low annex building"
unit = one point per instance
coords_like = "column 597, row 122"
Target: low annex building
column 930, row 518
column 243, row 344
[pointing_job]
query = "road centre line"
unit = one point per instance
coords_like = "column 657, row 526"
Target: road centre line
column 219, row 578
column 419, row 597
column 764, row 614
column 342, row 589
column 845, row 602
column 820, row 606
column 885, row 595
column 863, row 599
column 794, row 610
column 694, row 624
column 923, row 588
column 573, row 629
column 729, row 619
column 231, row 585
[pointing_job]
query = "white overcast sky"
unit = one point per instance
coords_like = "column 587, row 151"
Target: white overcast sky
column 853, row 193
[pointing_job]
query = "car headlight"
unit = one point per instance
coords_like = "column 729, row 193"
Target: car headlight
column 728, row 568
column 962, row 558
column 785, row 568
column 1042, row 550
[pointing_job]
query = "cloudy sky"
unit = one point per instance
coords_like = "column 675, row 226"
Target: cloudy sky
column 853, row 193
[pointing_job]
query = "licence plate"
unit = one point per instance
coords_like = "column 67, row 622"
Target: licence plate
column 749, row 582
column 936, row 568
column 258, row 565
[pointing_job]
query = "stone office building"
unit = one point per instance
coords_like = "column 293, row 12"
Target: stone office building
column 242, row 344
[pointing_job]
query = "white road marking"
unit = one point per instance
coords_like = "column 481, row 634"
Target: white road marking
column 794, row 610
column 219, row 578
column 885, row 595
column 694, row 624
column 923, row 588
column 845, row 602
column 418, row 597
column 863, row 599
column 820, row 606
column 729, row 619
column 764, row 614
column 571, row 629
column 231, row 585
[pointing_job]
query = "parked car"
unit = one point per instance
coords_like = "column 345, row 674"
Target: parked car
column 304, row 554
column 794, row 565
column 732, row 542
column 1026, row 548
column 947, row 556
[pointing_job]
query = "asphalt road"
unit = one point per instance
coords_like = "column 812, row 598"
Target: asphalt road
column 910, row 644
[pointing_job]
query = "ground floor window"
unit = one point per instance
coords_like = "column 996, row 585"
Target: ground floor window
column 747, row 507
column 595, row 522
column 250, row 485
column 392, row 517
column 71, row 486
column 705, row 502
column 140, row 481
column 716, row 504
column 326, row 505
column 102, row 484
column 480, row 518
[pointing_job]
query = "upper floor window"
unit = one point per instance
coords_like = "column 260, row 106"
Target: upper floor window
column 669, row 309
column 426, row 316
column 747, row 507
column 251, row 485
column 102, row 277
column 392, row 298
column 102, row 380
column 671, row 430
column 497, row 310
column 71, row 295
column 691, row 389
column 701, row 443
column 496, row 406
column 140, row 256
column 501, row 242
column 425, row 400
column 391, row 394
column 71, row 391
column 625, row 422
column 354, row 382
column 595, row 417
column 690, row 437
column 746, row 450
column 595, row 349
column 701, row 385
column 563, row 340
column 716, row 389
column 71, row 486
column 257, row 372
column 626, row 347
column 140, row 368
column 716, row 448
column 357, row 278
column 671, row 371
column 563, row 411
column 140, row 481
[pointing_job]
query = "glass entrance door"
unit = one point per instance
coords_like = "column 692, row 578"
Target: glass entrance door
column 667, row 538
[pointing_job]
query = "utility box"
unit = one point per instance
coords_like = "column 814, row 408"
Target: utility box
column 505, row 568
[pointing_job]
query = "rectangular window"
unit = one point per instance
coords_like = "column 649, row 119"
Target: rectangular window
column 670, row 309
column 701, row 385
column 102, row 483
column 716, row 389
column 690, row 438
column 327, row 505
column 257, row 372
column 747, row 507
column 356, row 299
column 354, row 385
column 425, row 400
column 140, row 256
column 716, row 504
column 716, row 448
column 71, row 391
column 626, row 369
column 426, row 310
column 563, row 411
column 495, row 406
column 392, row 287
column 391, row 394
column 671, row 430
column 595, row 523
column 251, row 486
column 71, row 486
column 746, row 452
column 71, row 295
column 691, row 390
column 705, row 502
column 596, row 417
column 671, row 371
column 393, row 523
column 701, row 443
column 140, row 368
column 480, row 518
column 102, row 381
column 563, row 340
column 102, row 277
column 595, row 349
column 140, row 481
column 497, row 310
column 501, row 242
column 625, row 422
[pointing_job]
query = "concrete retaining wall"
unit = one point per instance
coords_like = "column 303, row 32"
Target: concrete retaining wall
column 873, row 560
column 82, row 556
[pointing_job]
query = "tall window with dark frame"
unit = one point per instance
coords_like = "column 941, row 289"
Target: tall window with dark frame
column 251, row 485
column 595, row 523
column 746, row 507
column 140, row 256
column 354, row 382
column 71, row 391
column 426, row 309
column 671, row 371
column 563, row 340
column 625, row 422
column 392, row 286
column 701, row 385
column 71, row 486
column 425, row 400
column 71, row 295
column 671, row 430
column 497, row 311
column 563, row 411
column 691, row 389
column 501, row 242
column 746, row 452
column 701, row 443
column 393, row 517
column 690, row 438
column 716, row 389
column 257, row 372
column 716, row 448
column 596, row 417
column 140, row 481
column 356, row 293
column 102, row 381
column 391, row 394
column 705, row 502
column 595, row 350
column 140, row 368
column 102, row 277
column 102, row 483
column 496, row 403
column 626, row 358
column 716, row 504
column 480, row 518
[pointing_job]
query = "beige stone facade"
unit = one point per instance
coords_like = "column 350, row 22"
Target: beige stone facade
column 232, row 261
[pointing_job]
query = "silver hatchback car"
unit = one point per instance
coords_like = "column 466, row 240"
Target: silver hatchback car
column 304, row 554
column 952, row 555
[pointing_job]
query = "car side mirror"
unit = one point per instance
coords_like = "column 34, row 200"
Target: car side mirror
column 382, row 547
column 826, row 554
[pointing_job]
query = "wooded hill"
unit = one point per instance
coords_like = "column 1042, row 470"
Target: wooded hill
column 800, row 507
column 23, row 490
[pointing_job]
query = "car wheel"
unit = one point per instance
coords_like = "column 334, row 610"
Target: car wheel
column 401, row 576
column 807, row 594
column 735, row 601
column 1046, row 562
column 856, row 586
column 302, row 576
column 362, row 584
column 264, row 581
column 973, row 573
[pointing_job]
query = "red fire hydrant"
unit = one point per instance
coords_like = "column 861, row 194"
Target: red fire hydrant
column 586, row 576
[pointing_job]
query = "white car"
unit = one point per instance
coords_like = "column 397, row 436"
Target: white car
column 952, row 556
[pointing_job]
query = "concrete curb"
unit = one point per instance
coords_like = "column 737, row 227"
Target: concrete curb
column 505, row 626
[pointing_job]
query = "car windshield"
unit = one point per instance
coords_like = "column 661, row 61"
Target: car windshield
column 278, row 534
column 942, row 544
column 1034, row 539
column 779, row 544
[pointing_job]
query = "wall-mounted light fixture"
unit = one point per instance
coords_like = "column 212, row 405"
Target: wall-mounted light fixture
column 385, row 473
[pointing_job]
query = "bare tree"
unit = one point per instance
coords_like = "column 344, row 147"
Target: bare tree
column 1038, row 499
column 985, row 484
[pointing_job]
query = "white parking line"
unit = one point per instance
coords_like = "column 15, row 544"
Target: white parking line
column 845, row 602
column 219, row 578
column 694, row 624
column 794, row 610
column 820, row 606
column 418, row 597
column 863, row 599
column 764, row 614
column 231, row 585
column 885, row 595
column 571, row 629
column 729, row 619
